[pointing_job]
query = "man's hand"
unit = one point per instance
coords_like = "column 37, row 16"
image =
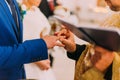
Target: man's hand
column 44, row 64
column 52, row 41
column 67, row 39
column 102, row 58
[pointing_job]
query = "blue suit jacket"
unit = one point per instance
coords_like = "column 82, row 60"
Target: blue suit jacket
column 14, row 53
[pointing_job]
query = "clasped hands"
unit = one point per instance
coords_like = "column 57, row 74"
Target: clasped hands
column 63, row 38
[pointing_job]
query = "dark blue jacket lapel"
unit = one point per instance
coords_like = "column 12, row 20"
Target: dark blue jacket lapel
column 18, row 32
column 19, row 20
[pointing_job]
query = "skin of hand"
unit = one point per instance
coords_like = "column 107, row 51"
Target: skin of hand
column 102, row 58
column 44, row 64
column 67, row 38
column 52, row 41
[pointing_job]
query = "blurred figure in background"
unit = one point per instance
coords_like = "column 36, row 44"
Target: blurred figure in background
column 45, row 8
column 101, row 3
column 35, row 25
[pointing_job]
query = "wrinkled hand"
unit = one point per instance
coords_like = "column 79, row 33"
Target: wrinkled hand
column 44, row 64
column 102, row 58
column 52, row 41
column 67, row 38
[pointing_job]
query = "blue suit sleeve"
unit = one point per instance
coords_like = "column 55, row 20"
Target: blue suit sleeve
column 17, row 55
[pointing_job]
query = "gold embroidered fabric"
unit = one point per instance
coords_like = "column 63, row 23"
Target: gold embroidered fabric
column 116, row 67
column 85, row 71
column 84, row 65
column 79, row 68
column 112, row 21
